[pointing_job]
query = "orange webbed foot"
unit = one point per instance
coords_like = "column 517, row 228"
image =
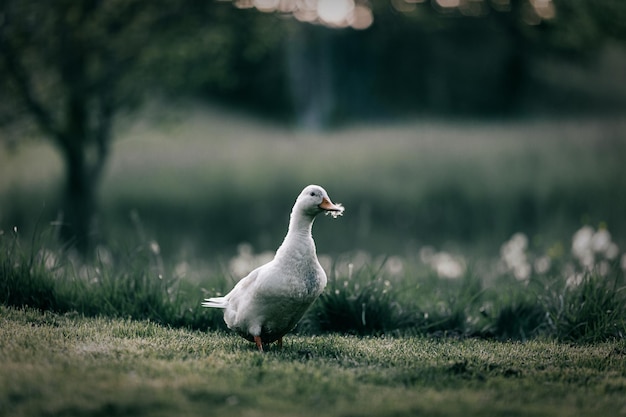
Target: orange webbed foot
column 259, row 343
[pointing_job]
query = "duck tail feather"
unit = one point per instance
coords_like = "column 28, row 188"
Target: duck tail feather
column 215, row 302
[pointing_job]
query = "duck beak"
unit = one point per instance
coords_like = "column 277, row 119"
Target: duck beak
column 329, row 206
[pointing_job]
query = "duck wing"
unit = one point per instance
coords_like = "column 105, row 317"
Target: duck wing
column 239, row 290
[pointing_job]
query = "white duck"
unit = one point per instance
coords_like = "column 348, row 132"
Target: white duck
column 269, row 301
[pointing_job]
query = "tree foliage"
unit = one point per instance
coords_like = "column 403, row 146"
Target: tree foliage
column 72, row 66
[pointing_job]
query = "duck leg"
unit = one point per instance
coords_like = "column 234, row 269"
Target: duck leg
column 280, row 342
column 259, row 343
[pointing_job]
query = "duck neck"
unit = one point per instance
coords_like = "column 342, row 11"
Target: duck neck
column 299, row 240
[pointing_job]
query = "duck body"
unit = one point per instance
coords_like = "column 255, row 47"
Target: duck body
column 268, row 303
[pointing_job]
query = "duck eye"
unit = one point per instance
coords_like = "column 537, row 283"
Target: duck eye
column 312, row 193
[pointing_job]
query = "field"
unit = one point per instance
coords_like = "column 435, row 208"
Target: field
column 203, row 181
column 67, row 365
column 480, row 268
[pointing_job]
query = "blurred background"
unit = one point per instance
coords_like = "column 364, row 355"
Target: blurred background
column 449, row 124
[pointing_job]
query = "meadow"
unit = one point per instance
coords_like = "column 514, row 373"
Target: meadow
column 479, row 268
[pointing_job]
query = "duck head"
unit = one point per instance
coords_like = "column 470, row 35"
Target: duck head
column 314, row 200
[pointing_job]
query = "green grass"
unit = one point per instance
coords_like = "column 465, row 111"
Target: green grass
column 69, row 365
column 137, row 283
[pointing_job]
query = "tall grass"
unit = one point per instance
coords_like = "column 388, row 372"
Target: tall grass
column 592, row 311
column 128, row 283
column 361, row 303
column 135, row 282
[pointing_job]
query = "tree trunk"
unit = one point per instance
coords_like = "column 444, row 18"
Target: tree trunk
column 78, row 200
column 84, row 151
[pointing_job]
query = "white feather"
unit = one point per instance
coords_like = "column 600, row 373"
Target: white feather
column 215, row 302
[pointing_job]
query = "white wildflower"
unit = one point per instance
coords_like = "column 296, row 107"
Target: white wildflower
column 542, row 264
column 588, row 244
column 587, row 260
column 49, row 259
column 361, row 259
column 611, row 251
column 182, row 269
column 513, row 255
column 426, row 254
column 574, row 280
column 104, row 255
column 154, row 247
column 447, row 266
column 394, row 265
column 604, row 268
column 600, row 241
column 246, row 261
column 581, row 244
column 522, row 271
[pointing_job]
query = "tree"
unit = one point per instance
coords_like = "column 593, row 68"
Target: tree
column 71, row 67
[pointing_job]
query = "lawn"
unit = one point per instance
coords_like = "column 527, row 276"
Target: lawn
column 68, row 365
column 479, row 270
